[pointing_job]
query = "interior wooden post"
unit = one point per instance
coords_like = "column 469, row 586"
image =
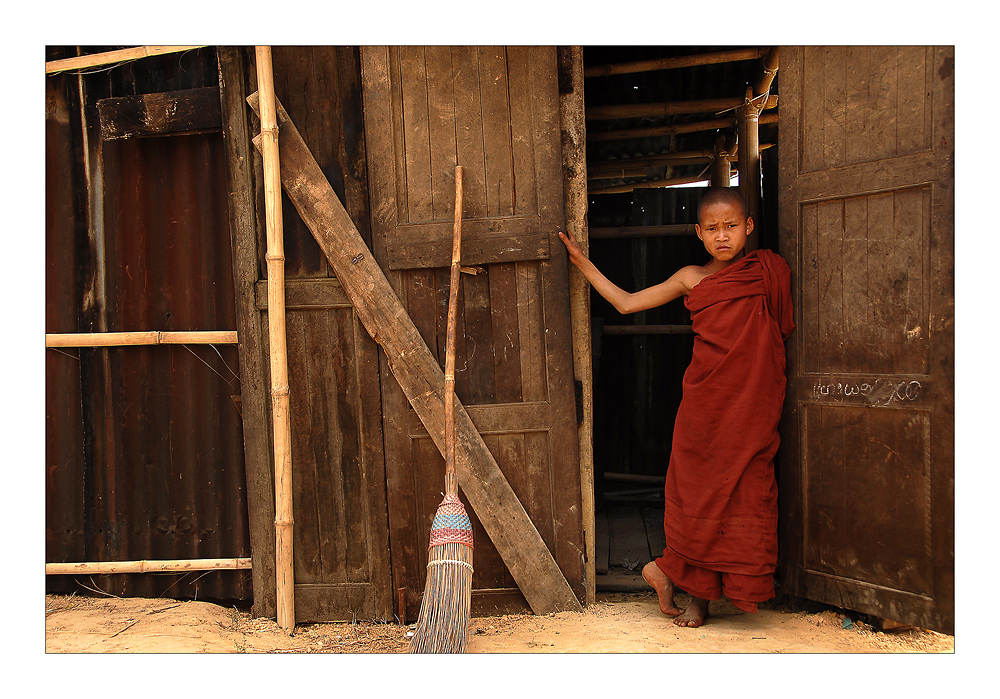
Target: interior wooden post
column 574, row 129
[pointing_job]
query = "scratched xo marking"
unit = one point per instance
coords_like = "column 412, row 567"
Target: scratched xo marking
column 879, row 392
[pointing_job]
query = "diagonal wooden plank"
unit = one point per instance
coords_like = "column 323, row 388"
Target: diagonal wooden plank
column 419, row 375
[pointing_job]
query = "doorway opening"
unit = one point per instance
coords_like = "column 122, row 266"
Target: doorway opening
column 658, row 117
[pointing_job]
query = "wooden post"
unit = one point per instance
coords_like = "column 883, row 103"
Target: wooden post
column 574, row 129
column 283, row 520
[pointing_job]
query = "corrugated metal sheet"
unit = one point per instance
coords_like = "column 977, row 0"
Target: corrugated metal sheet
column 161, row 472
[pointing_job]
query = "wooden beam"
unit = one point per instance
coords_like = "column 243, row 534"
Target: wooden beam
column 419, row 375
column 701, row 59
column 155, row 114
column 637, row 167
column 673, row 129
column 647, row 330
column 658, row 109
column 108, row 57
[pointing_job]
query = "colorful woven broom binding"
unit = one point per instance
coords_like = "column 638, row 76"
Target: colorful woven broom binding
column 443, row 624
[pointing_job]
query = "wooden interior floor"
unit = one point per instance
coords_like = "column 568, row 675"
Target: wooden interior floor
column 628, row 537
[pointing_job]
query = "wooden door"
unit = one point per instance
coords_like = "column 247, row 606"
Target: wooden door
column 495, row 112
column 340, row 546
column 867, row 462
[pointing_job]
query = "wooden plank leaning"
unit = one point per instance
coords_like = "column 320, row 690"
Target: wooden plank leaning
column 419, row 374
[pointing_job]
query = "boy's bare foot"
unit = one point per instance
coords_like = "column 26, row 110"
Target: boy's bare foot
column 695, row 615
column 658, row 580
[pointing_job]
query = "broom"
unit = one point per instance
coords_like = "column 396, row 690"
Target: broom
column 444, row 612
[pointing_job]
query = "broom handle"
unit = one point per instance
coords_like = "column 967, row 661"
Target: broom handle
column 450, row 478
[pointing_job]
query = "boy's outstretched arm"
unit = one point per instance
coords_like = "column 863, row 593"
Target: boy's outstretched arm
column 624, row 301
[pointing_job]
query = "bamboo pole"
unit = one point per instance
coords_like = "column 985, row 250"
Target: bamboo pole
column 769, row 70
column 701, row 59
column 172, row 566
column 108, row 57
column 748, row 163
column 283, row 518
column 153, row 337
column 720, row 163
column 748, row 134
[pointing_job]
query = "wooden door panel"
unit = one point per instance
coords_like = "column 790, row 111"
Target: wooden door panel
column 852, row 450
column 493, row 110
column 875, row 299
column 867, row 463
column 508, row 207
column 341, row 562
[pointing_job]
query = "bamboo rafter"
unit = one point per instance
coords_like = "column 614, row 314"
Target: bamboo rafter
column 151, row 337
column 109, row 57
column 170, row 566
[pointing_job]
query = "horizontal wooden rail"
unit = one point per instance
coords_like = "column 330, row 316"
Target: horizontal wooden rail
column 617, row 232
column 152, row 337
column 673, row 129
column 175, row 566
column 651, row 184
column 647, row 330
column 108, row 57
column 658, row 109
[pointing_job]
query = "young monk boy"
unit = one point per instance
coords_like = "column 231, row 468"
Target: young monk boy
column 720, row 514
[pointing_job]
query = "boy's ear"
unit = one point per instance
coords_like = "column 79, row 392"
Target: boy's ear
column 697, row 230
column 749, row 225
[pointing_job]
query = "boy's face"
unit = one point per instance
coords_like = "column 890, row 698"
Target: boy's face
column 723, row 228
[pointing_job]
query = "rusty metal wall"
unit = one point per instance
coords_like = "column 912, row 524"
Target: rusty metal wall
column 144, row 445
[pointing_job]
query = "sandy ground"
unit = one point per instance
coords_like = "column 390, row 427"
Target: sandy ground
column 617, row 623
column 617, row 647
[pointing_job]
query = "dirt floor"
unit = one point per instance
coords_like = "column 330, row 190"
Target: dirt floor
column 617, row 623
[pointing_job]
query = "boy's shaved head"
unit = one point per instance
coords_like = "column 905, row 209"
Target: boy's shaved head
column 730, row 195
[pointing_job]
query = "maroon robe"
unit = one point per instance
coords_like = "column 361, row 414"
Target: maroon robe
column 721, row 510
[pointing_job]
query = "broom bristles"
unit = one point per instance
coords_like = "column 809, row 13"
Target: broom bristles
column 443, row 624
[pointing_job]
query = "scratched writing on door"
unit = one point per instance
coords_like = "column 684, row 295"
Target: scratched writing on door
column 879, row 392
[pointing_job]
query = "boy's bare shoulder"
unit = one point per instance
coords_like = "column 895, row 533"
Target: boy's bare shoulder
column 690, row 276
